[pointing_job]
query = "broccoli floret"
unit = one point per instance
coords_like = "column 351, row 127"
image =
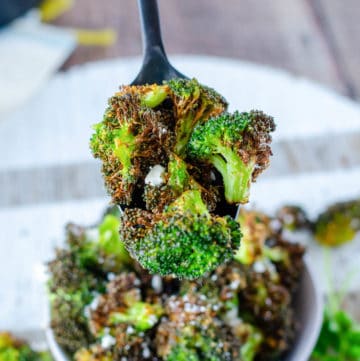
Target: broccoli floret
column 185, row 241
column 338, row 224
column 100, row 247
column 192, row 331
column 176, row 180
column 194, row 104
column 78, row 273
column 141, row 125
column 255, row 229
column 237, row 145
column 293, row 218
column 121, row 321
column 140, row 314
column 122, row 304
column 13, row 349
column 264, row 244
column 131, row 138
column 68, row 318
column 287, row 257
column 265, row 304
column 71, row 289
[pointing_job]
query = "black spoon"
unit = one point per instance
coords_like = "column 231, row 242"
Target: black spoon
column 156, row 67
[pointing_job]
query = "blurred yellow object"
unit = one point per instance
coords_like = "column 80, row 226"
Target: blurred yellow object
column 51, row 9
column 103, row 37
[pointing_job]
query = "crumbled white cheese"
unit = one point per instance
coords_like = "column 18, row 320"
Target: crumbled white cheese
column 263, row 265
column 107, row 341
column 156, row 283
column 146, row 353
column 231, row 318
column 259, row 267
column 154, row 177
column 94, row 303
column 130, row 330
column 92, row 234
column 234, row 284
column 111, row 276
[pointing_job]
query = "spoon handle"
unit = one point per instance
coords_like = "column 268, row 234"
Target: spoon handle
column 150, row 25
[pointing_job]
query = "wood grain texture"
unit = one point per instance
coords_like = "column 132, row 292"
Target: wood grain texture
column 340, row 24
column 278, row 33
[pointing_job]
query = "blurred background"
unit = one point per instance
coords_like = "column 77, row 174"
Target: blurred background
column 298, row 60
column 312, row 38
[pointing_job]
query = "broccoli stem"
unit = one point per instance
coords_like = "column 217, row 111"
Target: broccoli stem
column 236, row 174
column 190, row 201
column 155, row 97
column 183, row 133
column 125, row 145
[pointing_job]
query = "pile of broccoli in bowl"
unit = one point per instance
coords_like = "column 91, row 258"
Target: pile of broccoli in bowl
column 105, row 306
column 179, row 165
column 169, row 274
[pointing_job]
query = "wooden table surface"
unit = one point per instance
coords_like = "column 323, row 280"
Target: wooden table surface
column 318, row 39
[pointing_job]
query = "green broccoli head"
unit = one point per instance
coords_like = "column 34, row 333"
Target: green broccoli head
column 338, row 224
column 121, row 305
column 70, row 290
column 255, row 227
column 194, row 104
column 13, row 349
column 185, row 240
column 78, row 273
column 130, row 139
column 266, row 304
column 293, row 218
column 192, row 331
column 99, row 248
column 238, row 146
column 68, row 318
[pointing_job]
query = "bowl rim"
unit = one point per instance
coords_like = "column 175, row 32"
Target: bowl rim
column 304, row 353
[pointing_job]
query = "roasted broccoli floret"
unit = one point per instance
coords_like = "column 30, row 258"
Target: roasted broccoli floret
column 141, row 125
column 255, row 227
column 122, row 304
column 68, row 318
column 194, row 104
column 99, row 247
column 121, row 321
column 71, row 289
column 238, row 146
column 338, row 224
column 192, row 331
column 132, row 137
column 177, row 179
column 78, row 274
column 185, row 240
column 13, row 349
column 293, row 218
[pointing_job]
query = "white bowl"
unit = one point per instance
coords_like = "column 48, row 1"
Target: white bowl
column 308, row 311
